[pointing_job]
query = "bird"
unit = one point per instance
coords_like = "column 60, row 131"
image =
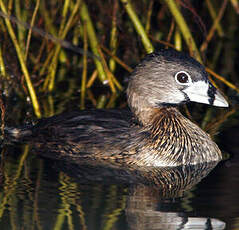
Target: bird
column 152, row 132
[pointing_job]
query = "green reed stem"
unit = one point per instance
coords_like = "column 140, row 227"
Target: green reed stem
column 47, row 19
column 108, row 73
column 50, row 80
column 138, row 26
column 172, row 5
column 20, row 31
column 148, row 18
column 94, row 44
column 2, row 65
column 22, row 63
column 113, row 36
column 64, row 15
column 84, row 73
column 101, row 102
column 177, row 40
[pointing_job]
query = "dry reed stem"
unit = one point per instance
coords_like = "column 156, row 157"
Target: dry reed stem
column 222, row 79
column 109, row 74
column 148, row 17
column 213, row 14
column 125, row 66
column 162, row 42
column 214, row 26
column 235, row 5
column 30, row 30
column 92, row 79
column 213, row 126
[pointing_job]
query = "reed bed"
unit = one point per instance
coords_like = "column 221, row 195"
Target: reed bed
column 96, row 42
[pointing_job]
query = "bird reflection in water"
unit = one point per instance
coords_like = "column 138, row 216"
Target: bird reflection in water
column 152, row 192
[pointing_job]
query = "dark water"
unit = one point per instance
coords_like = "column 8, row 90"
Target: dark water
column 37, row 193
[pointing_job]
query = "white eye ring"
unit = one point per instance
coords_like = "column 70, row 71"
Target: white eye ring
column 183, row 78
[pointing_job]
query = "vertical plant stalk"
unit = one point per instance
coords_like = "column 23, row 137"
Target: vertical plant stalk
column 111, row 77
column 92, row 40
column 30, row 30
column 50, row 80
column 109, row 74
column 170, row 33
column 2, row 108
column 184, row 29
column 138, row 26
column 20, row 32
column 84, row 73
column 149, row 14
column 177, row 40
column 22, row 63
column 2, row 65
column 113, row 36
column 47, row 19
column 101, row 102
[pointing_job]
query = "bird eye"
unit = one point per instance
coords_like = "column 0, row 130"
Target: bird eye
column 183, row 78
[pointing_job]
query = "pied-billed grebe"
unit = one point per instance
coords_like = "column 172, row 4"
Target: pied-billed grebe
column 154, row 133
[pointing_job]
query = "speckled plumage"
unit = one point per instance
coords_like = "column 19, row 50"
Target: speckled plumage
column 153, row 133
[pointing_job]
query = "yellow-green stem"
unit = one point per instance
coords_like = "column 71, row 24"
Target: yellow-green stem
column 138, row 26
column 53, row 67
column 84, row 73
column 177, row 40
column 2, row 65
column 172, row 5
column 92, row 39
column 113, row 37
column 22, row 63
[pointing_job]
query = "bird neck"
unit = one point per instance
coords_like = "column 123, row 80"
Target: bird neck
column 146, row 113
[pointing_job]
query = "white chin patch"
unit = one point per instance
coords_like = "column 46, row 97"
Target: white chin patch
column 199, row 92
